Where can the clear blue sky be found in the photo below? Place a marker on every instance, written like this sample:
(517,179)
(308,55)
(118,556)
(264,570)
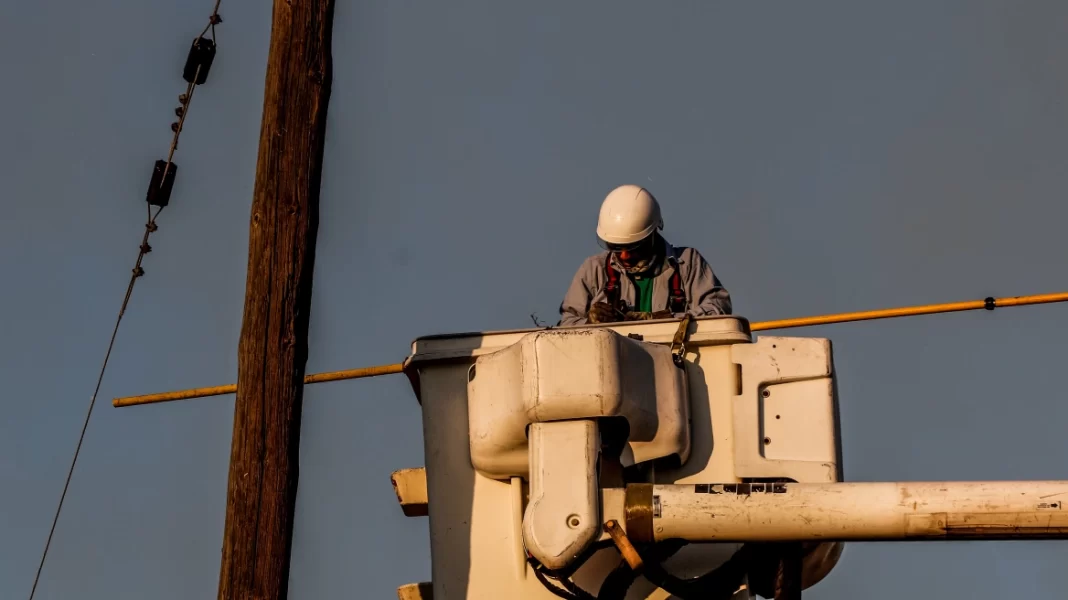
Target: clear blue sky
(824,157)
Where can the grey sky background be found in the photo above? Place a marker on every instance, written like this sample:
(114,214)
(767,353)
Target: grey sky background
(823,156)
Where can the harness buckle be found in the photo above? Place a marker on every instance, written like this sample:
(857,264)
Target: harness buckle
(678,343)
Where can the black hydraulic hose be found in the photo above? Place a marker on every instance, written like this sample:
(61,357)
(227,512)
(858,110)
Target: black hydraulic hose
(618,582)
(563,576)
(557,591)
(720,582)
(616,585)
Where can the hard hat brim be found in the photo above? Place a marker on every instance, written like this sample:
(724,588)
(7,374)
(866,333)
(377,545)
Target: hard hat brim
(606,238)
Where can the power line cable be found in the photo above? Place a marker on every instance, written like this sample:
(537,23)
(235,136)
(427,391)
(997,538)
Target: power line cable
(197,65)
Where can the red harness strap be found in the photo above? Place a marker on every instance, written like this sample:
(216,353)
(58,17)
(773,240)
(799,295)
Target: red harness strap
(611,287)
(677,299)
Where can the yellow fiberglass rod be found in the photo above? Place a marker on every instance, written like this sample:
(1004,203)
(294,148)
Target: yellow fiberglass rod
(886,313)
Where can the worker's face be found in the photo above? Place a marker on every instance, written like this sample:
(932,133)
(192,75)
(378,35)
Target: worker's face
(631,255)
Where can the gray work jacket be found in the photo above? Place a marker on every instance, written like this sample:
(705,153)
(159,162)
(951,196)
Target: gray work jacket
(705,295)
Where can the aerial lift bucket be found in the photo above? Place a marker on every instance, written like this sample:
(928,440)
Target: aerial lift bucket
(641,460)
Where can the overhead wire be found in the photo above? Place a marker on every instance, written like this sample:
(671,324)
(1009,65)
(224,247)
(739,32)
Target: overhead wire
(158,195)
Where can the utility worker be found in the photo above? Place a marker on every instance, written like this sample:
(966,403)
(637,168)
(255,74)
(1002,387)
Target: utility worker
(640,276)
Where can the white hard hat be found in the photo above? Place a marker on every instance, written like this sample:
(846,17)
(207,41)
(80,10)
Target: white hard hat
(628,214)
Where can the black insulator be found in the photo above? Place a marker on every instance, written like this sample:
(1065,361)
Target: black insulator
(179,111)
(174,127)
(215,19)
(159,189)
(201,54)
(182,99)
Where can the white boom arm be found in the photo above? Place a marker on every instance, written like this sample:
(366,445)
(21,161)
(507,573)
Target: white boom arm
(842,512)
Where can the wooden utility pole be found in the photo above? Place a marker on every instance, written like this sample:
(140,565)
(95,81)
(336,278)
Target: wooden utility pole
(273,349)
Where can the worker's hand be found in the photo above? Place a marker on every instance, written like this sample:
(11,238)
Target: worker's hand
(602,313)
(647,316)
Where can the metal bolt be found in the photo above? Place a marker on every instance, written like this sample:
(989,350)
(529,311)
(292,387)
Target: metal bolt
(767,393)
(767,440)
(573,521)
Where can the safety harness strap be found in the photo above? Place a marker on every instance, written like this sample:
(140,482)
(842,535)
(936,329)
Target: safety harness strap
(677,299)
(611,287)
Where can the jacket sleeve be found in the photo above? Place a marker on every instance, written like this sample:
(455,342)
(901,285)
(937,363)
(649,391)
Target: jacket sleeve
(576,301)
(708,296)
